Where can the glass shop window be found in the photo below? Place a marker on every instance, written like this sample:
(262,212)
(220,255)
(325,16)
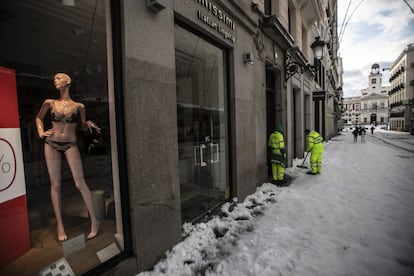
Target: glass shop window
(59,188)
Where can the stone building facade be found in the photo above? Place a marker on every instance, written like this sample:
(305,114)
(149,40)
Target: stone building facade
(186,93)
(402,91)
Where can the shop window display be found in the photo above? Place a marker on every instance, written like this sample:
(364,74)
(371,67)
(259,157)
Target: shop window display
(70,190)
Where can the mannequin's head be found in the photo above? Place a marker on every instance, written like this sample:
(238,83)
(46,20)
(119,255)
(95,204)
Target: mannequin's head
(62,80)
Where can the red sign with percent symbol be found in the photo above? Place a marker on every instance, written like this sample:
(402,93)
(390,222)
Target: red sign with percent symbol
(14,224)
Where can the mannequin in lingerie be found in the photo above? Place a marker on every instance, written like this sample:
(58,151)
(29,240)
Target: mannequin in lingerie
(61,140)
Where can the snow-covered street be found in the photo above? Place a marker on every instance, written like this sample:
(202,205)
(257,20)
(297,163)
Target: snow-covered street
(356,218)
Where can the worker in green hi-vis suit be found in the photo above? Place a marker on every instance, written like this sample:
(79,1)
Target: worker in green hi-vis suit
(315,147)
(278,157)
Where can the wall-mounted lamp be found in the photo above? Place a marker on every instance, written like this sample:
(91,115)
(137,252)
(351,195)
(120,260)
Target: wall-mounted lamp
(156,5)
(248,58)
(293,67)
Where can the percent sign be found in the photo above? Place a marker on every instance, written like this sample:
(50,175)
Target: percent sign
(5,166)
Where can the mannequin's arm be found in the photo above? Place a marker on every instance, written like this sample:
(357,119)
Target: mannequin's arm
(87,124)
(39,120)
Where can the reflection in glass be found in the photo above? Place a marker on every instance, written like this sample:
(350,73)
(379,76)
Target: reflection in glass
(202,124)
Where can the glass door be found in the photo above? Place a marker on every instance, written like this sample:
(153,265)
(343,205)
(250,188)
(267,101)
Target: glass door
(202,124)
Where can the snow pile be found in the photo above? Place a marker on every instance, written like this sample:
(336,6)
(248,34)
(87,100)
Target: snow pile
(206,244)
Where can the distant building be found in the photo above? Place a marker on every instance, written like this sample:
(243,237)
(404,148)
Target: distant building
(372,106)
(352,111)
(401,93)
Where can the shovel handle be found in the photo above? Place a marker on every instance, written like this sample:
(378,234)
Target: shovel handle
(305,158)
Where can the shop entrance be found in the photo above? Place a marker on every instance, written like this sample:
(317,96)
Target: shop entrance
(202,124)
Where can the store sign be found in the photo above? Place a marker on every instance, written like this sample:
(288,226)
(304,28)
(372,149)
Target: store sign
(14,224)
(318,95)
(216,19)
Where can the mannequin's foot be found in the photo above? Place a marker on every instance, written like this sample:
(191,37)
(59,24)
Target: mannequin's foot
(94,230)
(61,234)
(62,237)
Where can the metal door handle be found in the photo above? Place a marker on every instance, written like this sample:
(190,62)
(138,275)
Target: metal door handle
(202,163)
(216,147)
(199,148)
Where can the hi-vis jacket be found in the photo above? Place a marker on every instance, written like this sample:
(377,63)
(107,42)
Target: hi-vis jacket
(315,142)
(277,144)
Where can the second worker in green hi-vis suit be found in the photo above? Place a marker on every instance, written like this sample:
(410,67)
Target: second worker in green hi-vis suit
(315,147)
(278,157)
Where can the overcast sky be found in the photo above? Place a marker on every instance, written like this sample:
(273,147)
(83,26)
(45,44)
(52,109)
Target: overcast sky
(377,32)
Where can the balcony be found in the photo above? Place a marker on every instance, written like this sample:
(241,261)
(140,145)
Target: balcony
(310,9)
(396,88)
(397,73)
(397,114)
(272,26)
(396,104)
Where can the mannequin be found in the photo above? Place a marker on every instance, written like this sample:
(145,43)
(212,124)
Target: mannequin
(61,140)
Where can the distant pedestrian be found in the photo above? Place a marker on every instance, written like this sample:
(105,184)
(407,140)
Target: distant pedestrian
(372,129)
(355,133)
(362,133)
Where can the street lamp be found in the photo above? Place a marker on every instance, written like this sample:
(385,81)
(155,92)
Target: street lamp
(317,47)
(293,67)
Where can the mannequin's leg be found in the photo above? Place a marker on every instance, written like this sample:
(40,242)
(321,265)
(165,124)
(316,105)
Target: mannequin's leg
(53,162)
(75,163)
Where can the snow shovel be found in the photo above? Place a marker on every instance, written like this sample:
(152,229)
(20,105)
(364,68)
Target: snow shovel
(302,166)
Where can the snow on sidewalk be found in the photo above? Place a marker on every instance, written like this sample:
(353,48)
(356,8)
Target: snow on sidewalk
(356,218)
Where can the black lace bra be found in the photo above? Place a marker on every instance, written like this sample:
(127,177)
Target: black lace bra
(71,117)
